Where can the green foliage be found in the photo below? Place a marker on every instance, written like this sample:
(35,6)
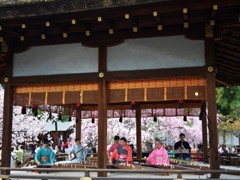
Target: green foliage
(228,101)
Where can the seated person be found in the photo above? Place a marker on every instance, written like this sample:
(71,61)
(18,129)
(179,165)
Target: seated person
(115,145)
(122,154)
(182,149)
(170,151)
(79,152)
(45,154)
(224,149)
(159,155)
(58,150)
(19,154)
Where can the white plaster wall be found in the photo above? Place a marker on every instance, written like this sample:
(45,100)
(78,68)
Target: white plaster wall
(231,140)
(156,53)
(55,59)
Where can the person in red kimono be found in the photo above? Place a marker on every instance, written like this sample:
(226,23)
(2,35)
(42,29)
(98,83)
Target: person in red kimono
(122,154)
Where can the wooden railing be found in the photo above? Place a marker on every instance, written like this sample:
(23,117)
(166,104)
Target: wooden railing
(87,172)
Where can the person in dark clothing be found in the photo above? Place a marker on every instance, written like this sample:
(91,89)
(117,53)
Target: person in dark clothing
(182,149)
(35,145)
(224,149)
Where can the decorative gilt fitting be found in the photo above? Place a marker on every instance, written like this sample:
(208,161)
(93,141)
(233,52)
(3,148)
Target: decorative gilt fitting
(99,19)
(185,10)
(212,22)
(73,21)
(155,13)
(215,7)
(6,79)
(210,69)
(47,23)
(101,74)
(160,27)
(209,31)
(110,31)
(4,47)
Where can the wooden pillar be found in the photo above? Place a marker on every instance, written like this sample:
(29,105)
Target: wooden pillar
(204,137)
(211,97)
(212,121)
(6,70)
(7,125)
(79,126)
(102,113)
(139,132)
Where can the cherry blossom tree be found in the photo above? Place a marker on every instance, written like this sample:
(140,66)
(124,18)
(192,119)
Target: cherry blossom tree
(26,127)
(166,128)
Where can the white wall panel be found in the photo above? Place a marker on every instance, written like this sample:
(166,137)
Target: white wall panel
(156,53)
(55,59)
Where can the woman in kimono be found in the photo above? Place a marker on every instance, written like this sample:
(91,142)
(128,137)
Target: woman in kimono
(45,155)
(78,152)
(122,154)
(159,155)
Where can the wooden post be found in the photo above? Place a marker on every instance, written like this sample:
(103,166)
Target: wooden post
(102,113)
(56,133)
(204,137)
(212,120)
(7,109)
(211,97)
(7,126)
(139,132)
(79,126)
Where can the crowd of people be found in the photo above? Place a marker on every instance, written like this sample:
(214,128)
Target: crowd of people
(121,152)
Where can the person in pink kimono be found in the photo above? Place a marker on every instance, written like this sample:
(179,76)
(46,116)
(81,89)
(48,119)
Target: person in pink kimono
(159,155)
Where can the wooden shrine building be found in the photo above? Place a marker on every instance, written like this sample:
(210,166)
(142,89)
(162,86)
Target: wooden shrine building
(106,54)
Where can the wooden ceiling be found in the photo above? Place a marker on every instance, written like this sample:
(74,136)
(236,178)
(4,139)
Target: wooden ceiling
(227,57)
(109,26)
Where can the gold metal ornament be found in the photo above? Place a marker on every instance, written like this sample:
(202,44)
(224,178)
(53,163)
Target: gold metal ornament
(210,69)
(101,74)
(6,79)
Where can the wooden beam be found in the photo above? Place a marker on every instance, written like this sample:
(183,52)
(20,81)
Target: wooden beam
(7,126)
(235,39)
(227,56)
(235,53)
(111,76)
(226,79)
(232,31)
(228,44)
(55,79)
(221,82)
(157,73)
(224,65)
(139,132)
(227,61)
